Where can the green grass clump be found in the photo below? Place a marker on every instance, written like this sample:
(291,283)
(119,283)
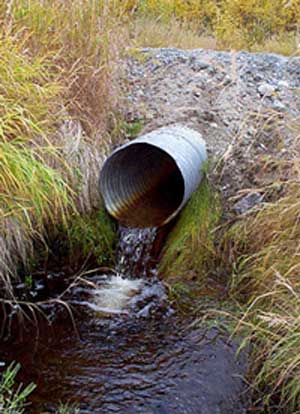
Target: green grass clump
(94,235)
(12,397)
(189,249)
(132,129)
(29,91)
(32,192)
(68,409)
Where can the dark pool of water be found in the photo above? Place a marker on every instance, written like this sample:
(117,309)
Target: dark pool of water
(130,366)
(144,360)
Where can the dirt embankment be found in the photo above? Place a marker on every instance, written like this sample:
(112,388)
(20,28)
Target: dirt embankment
(247,107)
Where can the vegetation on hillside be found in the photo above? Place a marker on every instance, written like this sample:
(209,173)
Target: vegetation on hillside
(256,25)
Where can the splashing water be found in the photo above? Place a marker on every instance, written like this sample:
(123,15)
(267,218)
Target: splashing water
(134,268)
(134,255)
(115,294)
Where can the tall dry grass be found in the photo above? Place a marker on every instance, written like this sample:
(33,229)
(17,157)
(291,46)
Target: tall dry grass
(154,32)
(58,102)
(265,247)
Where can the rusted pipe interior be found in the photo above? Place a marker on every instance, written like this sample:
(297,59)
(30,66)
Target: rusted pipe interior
(142,185)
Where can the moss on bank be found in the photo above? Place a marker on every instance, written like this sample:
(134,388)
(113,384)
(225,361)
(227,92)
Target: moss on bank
(189,249)
(94,235)
(85,241)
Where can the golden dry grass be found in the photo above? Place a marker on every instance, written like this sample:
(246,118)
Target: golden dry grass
(58,102)
(151,32)
(265,283)
(260,25)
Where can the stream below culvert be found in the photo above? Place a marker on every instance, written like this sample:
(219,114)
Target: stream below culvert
(131,353)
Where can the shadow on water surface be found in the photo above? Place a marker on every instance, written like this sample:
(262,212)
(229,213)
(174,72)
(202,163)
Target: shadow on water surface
(145,360)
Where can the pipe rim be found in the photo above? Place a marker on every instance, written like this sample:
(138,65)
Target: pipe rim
(115,205)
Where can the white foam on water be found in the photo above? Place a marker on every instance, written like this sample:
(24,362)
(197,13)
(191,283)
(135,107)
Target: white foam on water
(114,295)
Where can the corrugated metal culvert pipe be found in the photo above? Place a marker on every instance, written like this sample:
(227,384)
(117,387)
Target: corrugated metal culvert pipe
(147,181)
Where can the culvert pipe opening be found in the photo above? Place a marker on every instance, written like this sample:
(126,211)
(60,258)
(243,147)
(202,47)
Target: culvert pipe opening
(142,185)
(146,182)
